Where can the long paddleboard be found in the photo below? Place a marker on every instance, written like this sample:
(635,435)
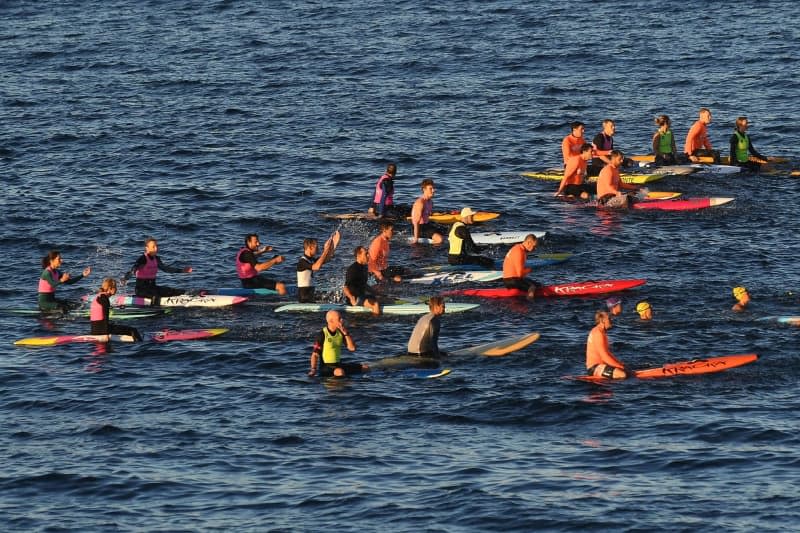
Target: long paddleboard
(555,174)
(650,158)
(494,237)
(452,218)
(791,320)
(241,291)
(437,279)
(161,336)
(584,288)
(116,314)
(683,204)
(684,368)
(539,261)
(389,309)
(718,169)
(184,300)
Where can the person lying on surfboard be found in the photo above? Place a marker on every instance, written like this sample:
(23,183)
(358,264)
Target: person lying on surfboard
(743,153)
(600,362)
(420,214)
(309,263)
(249,269)
(327,351)
(610,187)
(146,268)
(51,278)
(462,245)
(574,181)
(356,288)
(379,255)
(742,299)
(645,310)
(664,142)
(99,311)
(424,340)
(514,269)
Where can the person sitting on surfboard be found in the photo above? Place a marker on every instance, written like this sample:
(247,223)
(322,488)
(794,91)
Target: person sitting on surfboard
(146,268)
(514,269)
(424,340)
(420,214)
(645,310)
(378,264)
(99,311)
(309,263)
(743,153)
(610,186)
(697,143)
(600,362)
(614,305)
(571,144)
(742,299)
(356,289)
(462,245)
(574,181)
(51,278)
(664,142)
(383,200)
(327,352)
(603,144)
(248,268)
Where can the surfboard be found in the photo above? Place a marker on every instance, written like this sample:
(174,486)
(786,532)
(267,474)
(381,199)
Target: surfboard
(650,158)
(184,300)
(539,261)
(683,204)
(555,174)
(717,169)
(116,314)
(494,237)
(708,365)
(241,291)
(161,336)
(389,309)
(584,288)
(437,279)
(791,320)
(454,216)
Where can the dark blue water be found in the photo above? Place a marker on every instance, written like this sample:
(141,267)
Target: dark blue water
(200,122)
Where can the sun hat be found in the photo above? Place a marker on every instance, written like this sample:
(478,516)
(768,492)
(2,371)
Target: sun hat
(467,212)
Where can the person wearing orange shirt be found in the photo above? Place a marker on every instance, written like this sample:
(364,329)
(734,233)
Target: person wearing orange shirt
(610,186)
(571,145)
(600,362)
(379,254)
(514,269)
(697,142)
(574,181)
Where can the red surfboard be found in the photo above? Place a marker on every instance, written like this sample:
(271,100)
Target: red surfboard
(682,204)
(684,368)
(583,288)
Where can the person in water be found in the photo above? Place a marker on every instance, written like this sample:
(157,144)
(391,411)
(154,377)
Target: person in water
(572,143)
(383,204)
(249,269)
(51,278)
(664,142)
(99,313)
(574,181)
(424,340)
(742,299)
(327,351)
(697,142)
(614,306)
(308,264)
(645,310)
(743,153)
(378,264)
(146,268)
(461,244)
(514,269)
(356,287)
(610,187)
(600,362)
(420,215)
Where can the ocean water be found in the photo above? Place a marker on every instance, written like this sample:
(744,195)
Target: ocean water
(200,122)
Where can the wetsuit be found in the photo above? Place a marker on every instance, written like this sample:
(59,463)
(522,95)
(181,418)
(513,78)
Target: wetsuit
(48,281)
(424,339)
(305,279)
(328,347)
(603,145)
(356,282)
(99,312)
(664,148)
(145,268)
(461,246)
(246,269)
(743,152)
(697,142)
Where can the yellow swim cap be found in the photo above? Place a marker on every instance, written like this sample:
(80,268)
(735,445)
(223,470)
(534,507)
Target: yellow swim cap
(738,291)
(641,307)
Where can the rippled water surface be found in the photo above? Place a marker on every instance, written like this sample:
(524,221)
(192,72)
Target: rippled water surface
(199,122)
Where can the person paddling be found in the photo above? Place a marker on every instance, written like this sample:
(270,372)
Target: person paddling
(250,270)
(51,278)
(600,362)
(327,351)
(308,264)
(100,310)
